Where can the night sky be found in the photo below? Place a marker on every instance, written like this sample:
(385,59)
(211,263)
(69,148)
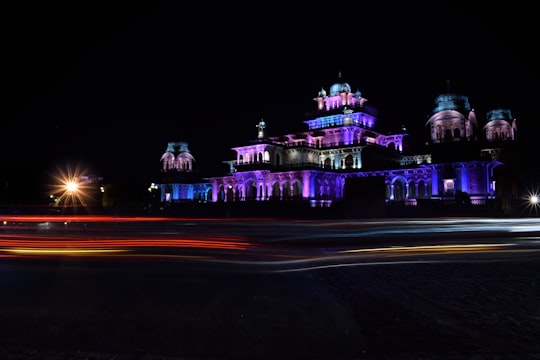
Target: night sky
(106,85)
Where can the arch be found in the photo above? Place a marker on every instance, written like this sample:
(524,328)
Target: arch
(276,191)
(349,161)
(297,190)
(167,161)
(251,190)
(412,190)
(447,135)
(237,194)
(230,194)
(421,189)
(184,162)
(286,190)
(262,195)
(327,163)
(221,194)
(399,189)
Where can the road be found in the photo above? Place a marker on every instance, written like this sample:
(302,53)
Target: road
(152,288)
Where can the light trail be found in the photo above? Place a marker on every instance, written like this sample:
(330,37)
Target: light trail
(456,247)
(107,218)
(344,258)
(51,251)
(258,238)
(151,242)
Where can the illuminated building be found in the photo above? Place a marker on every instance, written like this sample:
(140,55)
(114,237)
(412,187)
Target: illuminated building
(180,181)
(462,160)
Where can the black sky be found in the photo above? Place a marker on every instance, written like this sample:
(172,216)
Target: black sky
(108,84)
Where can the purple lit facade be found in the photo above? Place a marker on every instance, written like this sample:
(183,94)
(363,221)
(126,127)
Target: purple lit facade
(342,142)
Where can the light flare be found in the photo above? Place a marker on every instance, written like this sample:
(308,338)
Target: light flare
(69,190)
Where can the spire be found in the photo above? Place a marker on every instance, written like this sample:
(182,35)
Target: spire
(261,126)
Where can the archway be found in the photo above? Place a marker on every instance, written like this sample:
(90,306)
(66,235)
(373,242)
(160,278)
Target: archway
(230,194)
(412,190)
(276,192)
(349,162)
(297,190)
(421,189)
(221,194)
(327,163)
(286,190)
(399,190)
(251,191)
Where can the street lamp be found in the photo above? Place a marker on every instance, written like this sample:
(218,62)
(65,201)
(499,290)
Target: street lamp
(72,186)
(70,189)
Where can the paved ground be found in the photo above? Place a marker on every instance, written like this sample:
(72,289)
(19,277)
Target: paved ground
(460,307)
(422,311)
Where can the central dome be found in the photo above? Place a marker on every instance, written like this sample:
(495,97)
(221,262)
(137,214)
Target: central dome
(339,88)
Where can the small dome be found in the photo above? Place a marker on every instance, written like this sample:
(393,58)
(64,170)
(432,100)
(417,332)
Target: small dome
(177,147)
(499,114)
(322,93)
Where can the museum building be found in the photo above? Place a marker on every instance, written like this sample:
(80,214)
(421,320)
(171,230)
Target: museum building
(342,155)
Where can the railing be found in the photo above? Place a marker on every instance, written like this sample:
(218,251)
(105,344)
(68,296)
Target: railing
(327,145)
(267,165)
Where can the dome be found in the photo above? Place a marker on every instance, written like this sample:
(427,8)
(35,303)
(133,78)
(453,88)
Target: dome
(500,125)
(177,147)
(456,102)
(499,114)
(322,93)
(339,88)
